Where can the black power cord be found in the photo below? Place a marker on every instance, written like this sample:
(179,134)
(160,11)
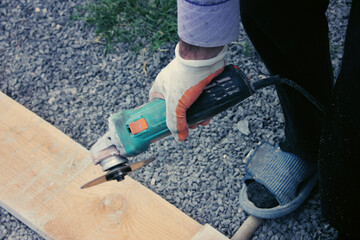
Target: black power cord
(277,79)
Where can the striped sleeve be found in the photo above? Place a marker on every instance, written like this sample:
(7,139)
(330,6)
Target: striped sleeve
(208,23)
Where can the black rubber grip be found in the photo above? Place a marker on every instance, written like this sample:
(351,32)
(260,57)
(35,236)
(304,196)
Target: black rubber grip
(226,90)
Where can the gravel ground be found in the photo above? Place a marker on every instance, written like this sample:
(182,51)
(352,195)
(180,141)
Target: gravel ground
(55,68)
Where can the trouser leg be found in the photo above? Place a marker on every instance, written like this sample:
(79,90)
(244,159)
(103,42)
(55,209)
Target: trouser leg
(292,40)
(340,141)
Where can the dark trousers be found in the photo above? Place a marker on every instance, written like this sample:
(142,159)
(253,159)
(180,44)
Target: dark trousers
(292,40)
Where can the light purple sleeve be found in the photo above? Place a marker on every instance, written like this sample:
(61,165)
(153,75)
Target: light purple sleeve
(208,23)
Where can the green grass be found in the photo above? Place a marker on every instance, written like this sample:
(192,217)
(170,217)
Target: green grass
(141,23)
(247,47)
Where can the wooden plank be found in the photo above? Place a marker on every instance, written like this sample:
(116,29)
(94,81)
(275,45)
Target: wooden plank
(41,172)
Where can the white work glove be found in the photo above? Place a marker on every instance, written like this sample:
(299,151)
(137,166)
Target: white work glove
(180,83)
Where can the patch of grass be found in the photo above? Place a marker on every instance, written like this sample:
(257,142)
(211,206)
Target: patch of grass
(248,48)
(141,23)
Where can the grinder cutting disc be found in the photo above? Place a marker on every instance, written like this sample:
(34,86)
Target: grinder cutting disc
(118,173)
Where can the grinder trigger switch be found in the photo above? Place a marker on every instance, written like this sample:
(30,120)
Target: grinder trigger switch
(138,126)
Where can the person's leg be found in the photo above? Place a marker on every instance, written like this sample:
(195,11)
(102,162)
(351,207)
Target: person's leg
(292,40)
(339,154)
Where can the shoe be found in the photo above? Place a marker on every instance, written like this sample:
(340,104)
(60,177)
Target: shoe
(289,178)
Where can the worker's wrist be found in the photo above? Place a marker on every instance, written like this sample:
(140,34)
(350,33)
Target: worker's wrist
(199,57)
(191,52)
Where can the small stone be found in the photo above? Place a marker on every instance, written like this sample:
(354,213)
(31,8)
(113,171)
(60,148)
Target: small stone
(51,100)
(243,127)
(37,10)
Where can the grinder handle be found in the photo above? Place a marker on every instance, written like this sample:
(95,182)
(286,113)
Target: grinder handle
(229,88)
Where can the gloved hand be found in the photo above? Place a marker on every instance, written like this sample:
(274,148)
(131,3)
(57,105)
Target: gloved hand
(180,83)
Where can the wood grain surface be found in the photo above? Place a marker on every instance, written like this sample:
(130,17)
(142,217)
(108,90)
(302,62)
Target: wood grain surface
(42,170)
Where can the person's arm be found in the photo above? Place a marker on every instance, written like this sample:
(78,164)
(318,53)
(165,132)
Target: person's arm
(191,52)
(205,28)
(208,23)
